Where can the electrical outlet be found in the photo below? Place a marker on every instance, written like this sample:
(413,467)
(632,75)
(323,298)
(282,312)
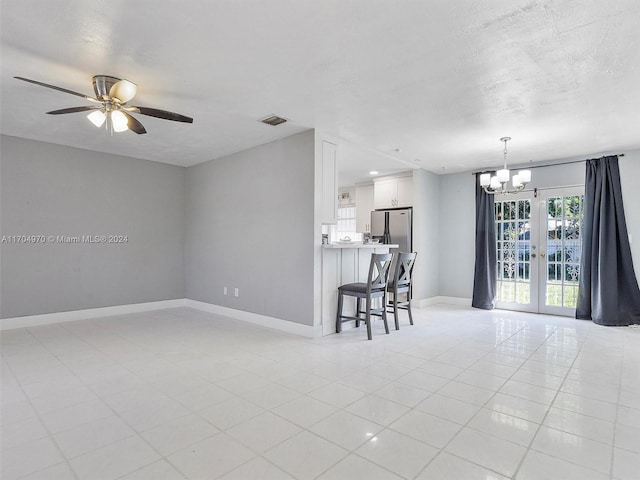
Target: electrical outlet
(224,290)
(237,292)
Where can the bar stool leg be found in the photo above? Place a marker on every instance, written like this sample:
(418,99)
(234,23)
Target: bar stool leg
(384,314)
(358,308)
(368,318)
(395,310)
(409,308)
(339,313)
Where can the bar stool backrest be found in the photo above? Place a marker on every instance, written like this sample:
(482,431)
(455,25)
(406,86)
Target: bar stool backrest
(379,271)
(404,267)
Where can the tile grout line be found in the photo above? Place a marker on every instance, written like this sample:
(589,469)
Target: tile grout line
(540,425)
(466,425)
(395,349)
(136,432)
(38,416)
(615,423)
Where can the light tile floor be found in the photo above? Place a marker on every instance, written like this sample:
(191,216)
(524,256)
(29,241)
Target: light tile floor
(463,394)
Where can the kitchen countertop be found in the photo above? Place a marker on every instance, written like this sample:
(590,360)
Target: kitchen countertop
(360,245)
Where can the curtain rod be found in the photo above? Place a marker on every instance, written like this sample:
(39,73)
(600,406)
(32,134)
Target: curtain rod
(529,167)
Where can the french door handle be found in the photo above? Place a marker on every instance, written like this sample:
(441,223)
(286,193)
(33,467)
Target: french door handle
(543,255)
(533,255)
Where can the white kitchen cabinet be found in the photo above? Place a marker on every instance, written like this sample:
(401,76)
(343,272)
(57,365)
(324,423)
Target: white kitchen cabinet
(404,196)
(364,205)
(329,182)
(384,193)
(393,192)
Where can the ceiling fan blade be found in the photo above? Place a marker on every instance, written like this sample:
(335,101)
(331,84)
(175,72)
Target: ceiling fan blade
(74,109)
(154,112)
(133,124)
(124,90)
(60,89)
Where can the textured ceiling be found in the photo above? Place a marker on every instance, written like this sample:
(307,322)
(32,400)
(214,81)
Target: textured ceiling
(439,80)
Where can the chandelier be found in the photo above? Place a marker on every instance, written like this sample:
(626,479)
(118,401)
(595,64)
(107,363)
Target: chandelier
(497,184)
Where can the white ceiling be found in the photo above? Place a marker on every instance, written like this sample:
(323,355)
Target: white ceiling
(439,80)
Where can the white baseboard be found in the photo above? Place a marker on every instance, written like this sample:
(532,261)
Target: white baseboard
(427,302)
(255,318)
(317,331)
(58,317)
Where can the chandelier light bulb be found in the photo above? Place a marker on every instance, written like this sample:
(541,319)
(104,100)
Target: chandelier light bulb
(503,175)
(485,179)
(525,176)
(516,180)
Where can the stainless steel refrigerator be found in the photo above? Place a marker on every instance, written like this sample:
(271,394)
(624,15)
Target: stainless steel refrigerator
(393,226)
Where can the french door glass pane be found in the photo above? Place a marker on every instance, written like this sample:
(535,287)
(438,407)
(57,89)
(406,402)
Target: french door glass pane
(564,227)
(513,234)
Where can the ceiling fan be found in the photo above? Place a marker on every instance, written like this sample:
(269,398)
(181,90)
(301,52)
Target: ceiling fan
(111,105)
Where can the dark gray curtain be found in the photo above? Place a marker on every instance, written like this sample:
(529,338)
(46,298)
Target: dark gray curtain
(485,275)
(608,293)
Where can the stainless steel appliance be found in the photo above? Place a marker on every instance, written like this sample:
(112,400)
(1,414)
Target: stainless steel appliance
(393,226)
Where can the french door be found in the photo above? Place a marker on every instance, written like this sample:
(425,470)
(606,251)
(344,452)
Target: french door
(538,243)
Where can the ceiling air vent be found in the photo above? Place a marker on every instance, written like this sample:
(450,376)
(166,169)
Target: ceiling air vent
(273,120)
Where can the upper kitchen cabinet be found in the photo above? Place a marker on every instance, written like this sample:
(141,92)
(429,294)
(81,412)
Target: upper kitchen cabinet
(404,197)
(364,205)
(393,192)
(329,176)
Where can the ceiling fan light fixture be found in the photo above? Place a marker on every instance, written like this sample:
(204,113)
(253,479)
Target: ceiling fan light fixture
(119,121)
(124,90)
(112,94)
(97,118)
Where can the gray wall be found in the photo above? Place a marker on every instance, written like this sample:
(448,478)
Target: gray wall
(54,190)
(245,221)
(426,238)
(457,216)
(249,224)
(456,230)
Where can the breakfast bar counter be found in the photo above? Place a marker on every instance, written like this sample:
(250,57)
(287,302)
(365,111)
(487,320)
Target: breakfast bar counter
(359,245)
(344,263)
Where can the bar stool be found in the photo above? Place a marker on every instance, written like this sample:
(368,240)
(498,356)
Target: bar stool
(400,283)
(376,287)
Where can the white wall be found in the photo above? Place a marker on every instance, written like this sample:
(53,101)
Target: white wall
(49,189)
(457,216)
(629,174)
(250,225)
